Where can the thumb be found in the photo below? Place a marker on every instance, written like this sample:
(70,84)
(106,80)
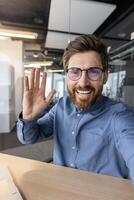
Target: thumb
(50,96)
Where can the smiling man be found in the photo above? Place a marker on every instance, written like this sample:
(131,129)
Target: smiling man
(91,132)
(85,78)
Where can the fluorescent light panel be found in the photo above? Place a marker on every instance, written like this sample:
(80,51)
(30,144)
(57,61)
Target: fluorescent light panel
(18,34)
(55,70)
(3,38)
(80,17)
(38,64)
(85,17)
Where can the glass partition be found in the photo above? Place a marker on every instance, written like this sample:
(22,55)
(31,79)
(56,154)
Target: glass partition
(120,84)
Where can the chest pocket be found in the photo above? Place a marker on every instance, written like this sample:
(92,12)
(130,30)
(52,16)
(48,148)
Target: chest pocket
(93,149)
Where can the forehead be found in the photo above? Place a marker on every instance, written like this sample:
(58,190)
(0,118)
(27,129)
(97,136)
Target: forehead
(85,59)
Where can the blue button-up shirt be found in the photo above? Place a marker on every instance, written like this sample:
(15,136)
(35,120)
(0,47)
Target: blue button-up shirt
(99,139)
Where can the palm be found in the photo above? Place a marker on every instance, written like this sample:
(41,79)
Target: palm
(34,100)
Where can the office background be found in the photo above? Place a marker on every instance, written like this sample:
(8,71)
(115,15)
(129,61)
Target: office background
(35,33)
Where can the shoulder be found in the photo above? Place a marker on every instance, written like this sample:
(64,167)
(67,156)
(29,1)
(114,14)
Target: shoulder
(123,118)
(116,106)
(121,114)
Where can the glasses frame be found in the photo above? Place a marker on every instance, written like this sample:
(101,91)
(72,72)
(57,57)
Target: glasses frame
(86,70)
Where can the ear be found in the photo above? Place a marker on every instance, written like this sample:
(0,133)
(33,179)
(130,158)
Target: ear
(105,77)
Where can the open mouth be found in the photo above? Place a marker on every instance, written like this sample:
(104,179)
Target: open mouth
(83,95)
(83,92)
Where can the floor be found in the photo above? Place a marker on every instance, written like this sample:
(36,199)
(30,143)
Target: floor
(9,140)
(41,151)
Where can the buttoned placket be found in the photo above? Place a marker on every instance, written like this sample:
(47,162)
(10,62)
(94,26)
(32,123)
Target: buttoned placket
(74,135)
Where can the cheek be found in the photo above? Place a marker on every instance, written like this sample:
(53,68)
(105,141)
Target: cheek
(97,85)
(70,84)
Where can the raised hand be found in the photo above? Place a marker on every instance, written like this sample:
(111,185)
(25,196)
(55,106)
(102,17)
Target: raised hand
(34,99)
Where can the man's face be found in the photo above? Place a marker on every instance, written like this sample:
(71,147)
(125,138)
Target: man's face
(84,92)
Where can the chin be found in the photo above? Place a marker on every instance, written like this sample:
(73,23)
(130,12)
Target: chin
(83,104)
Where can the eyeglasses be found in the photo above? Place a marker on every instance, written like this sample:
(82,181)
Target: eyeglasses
(93,73)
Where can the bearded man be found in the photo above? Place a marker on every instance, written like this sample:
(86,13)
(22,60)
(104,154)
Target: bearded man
(91,132)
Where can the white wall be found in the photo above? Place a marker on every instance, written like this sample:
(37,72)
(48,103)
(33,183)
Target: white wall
(12,52)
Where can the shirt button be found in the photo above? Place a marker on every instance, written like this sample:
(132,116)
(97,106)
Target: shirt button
(73,132)
(78,114)
(73,147)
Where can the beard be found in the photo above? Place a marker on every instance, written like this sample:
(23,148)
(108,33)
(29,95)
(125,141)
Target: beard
(89,101)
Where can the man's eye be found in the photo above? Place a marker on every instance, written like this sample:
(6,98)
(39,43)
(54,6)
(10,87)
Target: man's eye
(94,71)
(75,71)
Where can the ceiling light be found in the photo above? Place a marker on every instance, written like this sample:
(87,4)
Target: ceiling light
(55,70)
(90,15)
(18,34)
(35,55)
(38,64)
(3,38)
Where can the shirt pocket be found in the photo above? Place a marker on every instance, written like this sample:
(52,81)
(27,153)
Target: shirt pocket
(93,150)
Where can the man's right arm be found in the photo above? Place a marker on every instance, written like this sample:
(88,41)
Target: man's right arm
(34,102)
(29,131)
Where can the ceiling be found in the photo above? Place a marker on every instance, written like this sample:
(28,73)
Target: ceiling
(58,21)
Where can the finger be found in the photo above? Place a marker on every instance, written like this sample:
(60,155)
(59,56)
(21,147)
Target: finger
(43,82)
(26,83)
(37,79)
(32,76)
(50,96)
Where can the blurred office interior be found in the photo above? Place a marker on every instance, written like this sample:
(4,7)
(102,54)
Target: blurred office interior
(35,33)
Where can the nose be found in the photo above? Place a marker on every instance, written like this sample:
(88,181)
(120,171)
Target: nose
(84,80)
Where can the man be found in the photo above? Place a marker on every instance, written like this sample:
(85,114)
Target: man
(91,132)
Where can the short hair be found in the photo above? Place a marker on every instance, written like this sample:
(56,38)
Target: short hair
(85,43)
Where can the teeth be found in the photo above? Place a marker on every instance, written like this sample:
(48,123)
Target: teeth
(84,92)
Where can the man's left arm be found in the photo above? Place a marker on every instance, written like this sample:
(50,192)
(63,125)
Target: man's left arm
(124,135)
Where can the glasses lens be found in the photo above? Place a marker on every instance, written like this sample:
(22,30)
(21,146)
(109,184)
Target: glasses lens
(95,73)
(74,73)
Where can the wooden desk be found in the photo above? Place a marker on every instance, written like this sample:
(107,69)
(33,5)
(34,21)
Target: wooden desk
(42,181)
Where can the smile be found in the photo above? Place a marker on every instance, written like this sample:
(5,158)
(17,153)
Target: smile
(84,91)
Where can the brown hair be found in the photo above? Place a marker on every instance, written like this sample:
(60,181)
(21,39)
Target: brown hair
(84,43)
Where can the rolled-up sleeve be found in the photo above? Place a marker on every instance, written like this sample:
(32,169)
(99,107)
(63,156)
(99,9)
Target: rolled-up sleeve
(28,131)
